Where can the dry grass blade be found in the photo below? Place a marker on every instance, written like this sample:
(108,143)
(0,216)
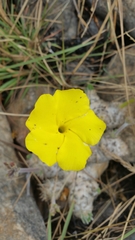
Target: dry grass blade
(61,8)
(127,221)
(96,40)
(120,4)
(93,8)
(120,160)
(32,54)
(18,16)
(6,19)
(14,114)
(103,230)
(80,12)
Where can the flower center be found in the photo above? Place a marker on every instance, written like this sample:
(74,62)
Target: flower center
(62,129)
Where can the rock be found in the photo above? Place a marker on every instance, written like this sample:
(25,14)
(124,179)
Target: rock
(114,85)
(24,106)
(131,237)
(128,13)
(129,138)
(66,21)
(63,21)
(19,216)
(82,75)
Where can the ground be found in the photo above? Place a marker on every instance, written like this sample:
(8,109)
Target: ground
(46,46)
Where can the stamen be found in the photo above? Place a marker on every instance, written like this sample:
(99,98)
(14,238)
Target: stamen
(61,129)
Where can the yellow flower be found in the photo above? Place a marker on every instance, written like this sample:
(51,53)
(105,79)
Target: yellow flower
(62,127)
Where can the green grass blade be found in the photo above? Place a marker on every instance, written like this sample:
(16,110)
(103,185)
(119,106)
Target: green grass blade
(128,234)
(62,237)
(49,228)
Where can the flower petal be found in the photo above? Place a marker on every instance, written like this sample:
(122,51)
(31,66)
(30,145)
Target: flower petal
(70,104)
(44,115)
(45,145)
(73,154)
(89,127)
